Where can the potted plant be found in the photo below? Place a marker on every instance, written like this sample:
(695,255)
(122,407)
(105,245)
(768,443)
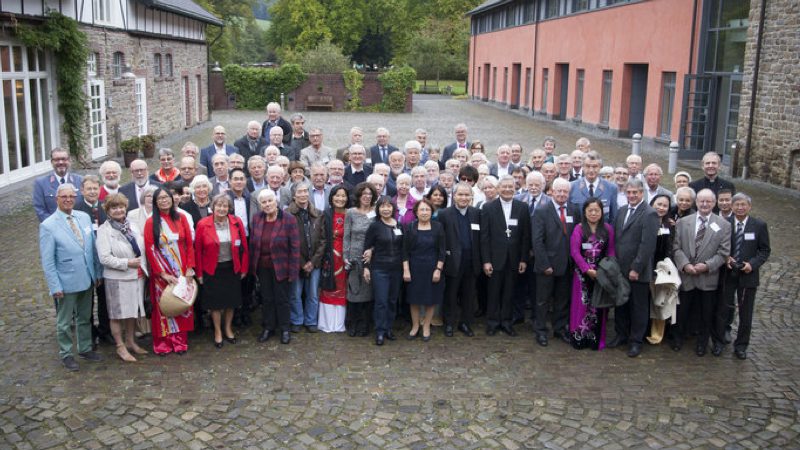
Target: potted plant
(130,149)
(148,144)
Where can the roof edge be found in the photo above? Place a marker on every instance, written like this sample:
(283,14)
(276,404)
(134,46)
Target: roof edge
(209,19)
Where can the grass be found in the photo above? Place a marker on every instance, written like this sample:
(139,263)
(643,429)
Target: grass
(263,24)
(459,86)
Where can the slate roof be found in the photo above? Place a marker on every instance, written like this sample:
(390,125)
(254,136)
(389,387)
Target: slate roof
(186,8)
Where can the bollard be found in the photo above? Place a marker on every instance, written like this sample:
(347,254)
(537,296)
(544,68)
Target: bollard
(673,157)
(283,102)
(636,144)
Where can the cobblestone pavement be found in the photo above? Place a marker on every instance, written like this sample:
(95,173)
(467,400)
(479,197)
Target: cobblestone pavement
(333,391)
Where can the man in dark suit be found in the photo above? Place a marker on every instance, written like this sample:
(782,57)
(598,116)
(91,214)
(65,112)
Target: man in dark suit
(711,179)
(389,184)
(276,139)
(217,147)
(461,142)
(552,227)
(749,251)
(503,166)
(140,179)
(357,171)
(525,290)
(252,143)
(299,137)
(462,263)
(274,119)
(505,242)
(635,229)
(591,185)
(577,165)
(44,188)
(379,153)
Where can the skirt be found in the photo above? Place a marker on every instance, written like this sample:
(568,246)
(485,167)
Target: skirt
(124,298)
(331,318)
(223,290)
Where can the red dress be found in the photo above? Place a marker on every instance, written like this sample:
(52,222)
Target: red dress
(337,296)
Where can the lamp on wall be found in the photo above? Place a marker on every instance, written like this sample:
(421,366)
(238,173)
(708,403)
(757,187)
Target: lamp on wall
(216,67)
(127,73)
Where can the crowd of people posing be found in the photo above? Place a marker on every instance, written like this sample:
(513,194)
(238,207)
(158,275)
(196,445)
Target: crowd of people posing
(344,240)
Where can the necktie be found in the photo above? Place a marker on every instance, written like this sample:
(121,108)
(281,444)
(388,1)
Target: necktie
(628,215)
(701,233)
(563,219)
(739,241)
(63,180)
(383,154)
(591,189)
(75,230)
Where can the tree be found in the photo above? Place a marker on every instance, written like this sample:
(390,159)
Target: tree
(241,40)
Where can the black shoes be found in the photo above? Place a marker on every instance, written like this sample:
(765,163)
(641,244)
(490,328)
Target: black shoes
(564,336)
(218,344)
(426,338)
(634,350)
(351,331)
(741,354)
(91,356)
(479,313)
(265,335)
(379,339)
(312,328)
(700,350)
(390,335)
(676,345)
(491,331)
(70,364)
(230,340)
(716,350)
(508,329)
(286,337)
(617,341)
(412,336)
(464,328)
(295,328)
(541,339)
(448,330)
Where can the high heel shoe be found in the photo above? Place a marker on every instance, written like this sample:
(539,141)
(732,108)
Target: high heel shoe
(230,340)
(218,344)
(412,336)
(136,349)
(123,354)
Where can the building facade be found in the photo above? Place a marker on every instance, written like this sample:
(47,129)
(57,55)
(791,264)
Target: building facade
(146,74)
(670,70)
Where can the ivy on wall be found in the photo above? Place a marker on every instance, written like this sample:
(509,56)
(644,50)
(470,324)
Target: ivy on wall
(60,35)
(255,87)
(397,83)
(353,82)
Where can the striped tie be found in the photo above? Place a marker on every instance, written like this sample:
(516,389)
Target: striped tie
(701,233)
(75,230)
(739,241)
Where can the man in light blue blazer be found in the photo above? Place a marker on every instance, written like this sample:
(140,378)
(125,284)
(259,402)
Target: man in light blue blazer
(71,268)
(44,188)
(591,185)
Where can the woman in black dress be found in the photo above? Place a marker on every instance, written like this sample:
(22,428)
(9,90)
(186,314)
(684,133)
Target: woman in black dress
(423,261)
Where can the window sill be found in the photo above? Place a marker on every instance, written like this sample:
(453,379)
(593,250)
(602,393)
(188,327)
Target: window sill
(158,79)
(602,126)
(170,78)
(661,140)
(119,82)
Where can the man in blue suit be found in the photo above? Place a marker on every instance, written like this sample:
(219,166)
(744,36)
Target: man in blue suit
(219,146)
(591,185)
(44,188)
(71,269)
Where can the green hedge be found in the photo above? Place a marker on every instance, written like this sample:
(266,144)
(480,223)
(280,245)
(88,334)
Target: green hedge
(396,83)
(255,87)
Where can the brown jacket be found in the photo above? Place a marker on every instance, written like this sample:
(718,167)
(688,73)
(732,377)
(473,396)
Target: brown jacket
(314,250)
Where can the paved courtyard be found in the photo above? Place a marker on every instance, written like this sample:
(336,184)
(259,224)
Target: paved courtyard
(333,391)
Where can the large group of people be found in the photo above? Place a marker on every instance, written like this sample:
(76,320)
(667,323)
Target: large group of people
(350,239)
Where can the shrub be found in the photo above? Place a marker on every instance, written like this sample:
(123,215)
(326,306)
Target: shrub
(353,82)
(254,87)
(325,58)
(397,83)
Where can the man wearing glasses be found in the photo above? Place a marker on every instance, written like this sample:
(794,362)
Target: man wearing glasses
(44,188)
(140,179)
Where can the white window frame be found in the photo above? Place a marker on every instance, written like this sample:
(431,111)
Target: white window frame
(103,11)
(140,99)
(98,134)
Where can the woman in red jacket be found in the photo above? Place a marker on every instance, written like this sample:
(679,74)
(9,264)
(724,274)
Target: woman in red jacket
(222,259)
(170,254)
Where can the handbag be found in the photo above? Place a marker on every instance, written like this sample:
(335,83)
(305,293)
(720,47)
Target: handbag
(172,305)
(328,279)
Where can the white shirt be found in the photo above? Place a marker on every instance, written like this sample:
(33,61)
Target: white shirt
(240,210)
(220,150)
(501,171)
(506,209)
(318,195)
(631,210)
(697,222)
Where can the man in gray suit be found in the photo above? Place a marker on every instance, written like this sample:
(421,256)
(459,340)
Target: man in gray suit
(635,230)
(702,245)
(652,177)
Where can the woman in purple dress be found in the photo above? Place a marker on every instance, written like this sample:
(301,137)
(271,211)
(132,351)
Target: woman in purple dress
(591,241)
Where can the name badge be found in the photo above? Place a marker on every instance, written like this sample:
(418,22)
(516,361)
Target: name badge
(403,211)
(749,236)
(88,229)
(663,231)
(326,160)
(569,219)
(95,226)
(371,215)
(475,226)
(237,243)
(398,232)
(714,227)
(586,246)
(368,160)
(605,209)
(512,222)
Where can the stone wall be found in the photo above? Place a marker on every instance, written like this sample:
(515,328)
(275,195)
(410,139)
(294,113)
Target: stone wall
(165,100)
(775,141)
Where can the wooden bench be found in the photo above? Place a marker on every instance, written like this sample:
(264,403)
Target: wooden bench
(320,101)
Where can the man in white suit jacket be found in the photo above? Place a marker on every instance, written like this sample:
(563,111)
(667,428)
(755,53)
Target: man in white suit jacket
(71,268)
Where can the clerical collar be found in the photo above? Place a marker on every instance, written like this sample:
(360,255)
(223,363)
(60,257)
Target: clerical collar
(463,211)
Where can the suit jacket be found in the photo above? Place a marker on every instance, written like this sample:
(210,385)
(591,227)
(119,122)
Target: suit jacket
(285,126)
(207,153)
(284,198)
(309,251)
(68,266)
(326,192)
(635,241)
(493,168)
(354,180)
(448,217)
(604,190)
(216,188)
(375,154)
(713,251)
(129,191)
(298,144)
(659,191)
(243,148)
(525,197)
(496,247)
(96,220)
(309,156)
(248,204)
(573,175)
(755,250)
(44,193)
(284,245)
(550,244)
(448,151)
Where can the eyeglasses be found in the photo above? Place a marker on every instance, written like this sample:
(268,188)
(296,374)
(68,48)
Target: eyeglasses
(465,179)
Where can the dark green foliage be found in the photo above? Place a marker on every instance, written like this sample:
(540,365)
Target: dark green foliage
(255,87)
(397,84)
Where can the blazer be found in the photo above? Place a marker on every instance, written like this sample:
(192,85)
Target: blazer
(206,246)
(298,144)
(248,204)
(96,221)
(68,267)
(129,191)
(448,217)
(375,153)
(285,126)
(412,235)
(551,247)
(314,250)
(284,245)
(713,251)
(352,179)
(525,197)
(448,151)
(193,209)
(207,153)
(216,189)
(44,193)
(604,190)
(659,190)
(114,250)
(493,168)
(309,156)
(243,148)
(496,247)
(635,241)
(326,192)
(755,250)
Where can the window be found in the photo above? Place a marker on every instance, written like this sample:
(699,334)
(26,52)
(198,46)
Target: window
(91,64)
(551,8)
(102,10)
(579,77)
(580,5)
(117,64)
(605,102)
(505,85)
(727,35)
(157,65)
(494,83)
(168,65)
(527,84)
(545,79)
(530,11)
(667,104)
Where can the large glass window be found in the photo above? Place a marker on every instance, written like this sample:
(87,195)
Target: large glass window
(605,102)
(580,5)
(667,104)
(157,65)
(579,77)
(117,64)
(545,82)
(552,8)
(102,10)
(168,65)
(727,35)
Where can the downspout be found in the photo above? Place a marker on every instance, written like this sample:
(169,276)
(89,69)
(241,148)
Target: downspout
(535,54)
(691,41)
(208,69)
(754,90)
